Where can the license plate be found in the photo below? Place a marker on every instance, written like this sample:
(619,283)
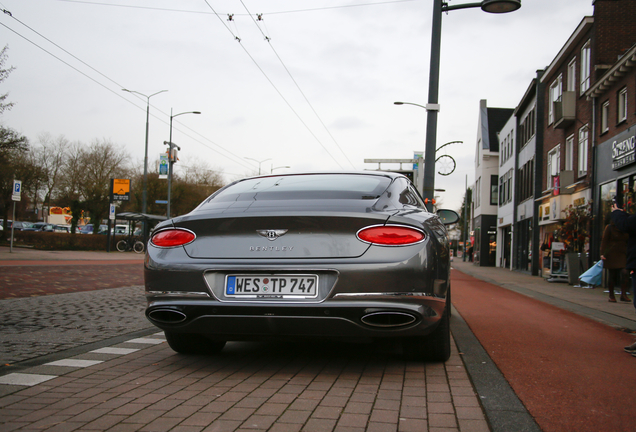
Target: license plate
(271,286)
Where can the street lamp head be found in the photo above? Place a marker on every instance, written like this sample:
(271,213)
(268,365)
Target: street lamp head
(398,103)
(196,112)
(500,6)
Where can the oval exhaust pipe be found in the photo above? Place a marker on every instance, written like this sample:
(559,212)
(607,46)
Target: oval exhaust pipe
(388,319)
(167,316)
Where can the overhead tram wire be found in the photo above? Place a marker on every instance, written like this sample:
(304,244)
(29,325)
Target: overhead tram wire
(237,159)
(274,86)
(268,39)
(208,13)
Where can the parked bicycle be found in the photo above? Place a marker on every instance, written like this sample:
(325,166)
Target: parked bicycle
(131,243)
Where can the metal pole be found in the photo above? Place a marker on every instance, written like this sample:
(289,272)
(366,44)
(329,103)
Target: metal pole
(433,92)
(169,166)
(466,219)
(12,226)
(144,194)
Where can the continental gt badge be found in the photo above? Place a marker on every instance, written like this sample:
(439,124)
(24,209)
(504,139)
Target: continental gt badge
(271,235)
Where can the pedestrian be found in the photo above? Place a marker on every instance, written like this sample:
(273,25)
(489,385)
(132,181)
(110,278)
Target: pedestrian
(614,256)
(627,223)
(470,253)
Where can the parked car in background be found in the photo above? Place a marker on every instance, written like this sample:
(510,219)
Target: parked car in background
(44,227)
(355,256)
(90,229)
(62,228)
(121,230)
(22,226)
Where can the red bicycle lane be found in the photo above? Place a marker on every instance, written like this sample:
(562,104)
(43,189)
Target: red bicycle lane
(570,372)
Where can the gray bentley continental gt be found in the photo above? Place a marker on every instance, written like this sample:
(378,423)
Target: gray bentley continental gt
(321,255)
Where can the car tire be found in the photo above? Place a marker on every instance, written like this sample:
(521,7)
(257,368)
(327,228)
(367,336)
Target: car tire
(192,343)
(435,347)
(139,247)
(122,245)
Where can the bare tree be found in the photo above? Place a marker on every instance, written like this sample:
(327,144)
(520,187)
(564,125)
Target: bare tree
(50,155)
(4,73)
(15,165)
(87,174)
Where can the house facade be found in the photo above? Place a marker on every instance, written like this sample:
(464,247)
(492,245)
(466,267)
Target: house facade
(486,188)
(528,115)
(505,212)
(574,148)
(613,99)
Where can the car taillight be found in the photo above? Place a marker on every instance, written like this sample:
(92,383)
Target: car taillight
(172,238)
(391,235)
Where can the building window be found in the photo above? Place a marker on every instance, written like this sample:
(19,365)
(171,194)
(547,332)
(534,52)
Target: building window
(585,67)
(569,153)
(605,117)
(583,141)
(478,193)
(572,76)
(526,128)
(556,89)
(622,105)
(554,163)
(494,189)
(525,179)
(509,186)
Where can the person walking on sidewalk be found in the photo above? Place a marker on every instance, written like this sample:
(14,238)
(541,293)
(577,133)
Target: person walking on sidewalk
(627,223)
(614,256)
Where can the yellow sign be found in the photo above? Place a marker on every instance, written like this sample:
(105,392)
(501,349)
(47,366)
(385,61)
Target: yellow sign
(121,189)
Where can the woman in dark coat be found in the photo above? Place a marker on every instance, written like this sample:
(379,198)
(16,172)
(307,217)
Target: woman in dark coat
(614,256)
(627,223)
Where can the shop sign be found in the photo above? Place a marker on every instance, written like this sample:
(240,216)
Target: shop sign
(579,202)
(624,150)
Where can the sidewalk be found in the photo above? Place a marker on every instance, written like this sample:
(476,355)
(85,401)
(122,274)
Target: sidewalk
(28,256)
(592,303)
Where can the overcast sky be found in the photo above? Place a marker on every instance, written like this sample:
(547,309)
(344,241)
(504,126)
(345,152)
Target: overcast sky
(310,85)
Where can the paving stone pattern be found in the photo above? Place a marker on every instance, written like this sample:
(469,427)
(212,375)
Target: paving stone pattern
(275,387)
(35,326)
(28,281)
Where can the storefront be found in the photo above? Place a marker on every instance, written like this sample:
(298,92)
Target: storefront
(551,208)
(615,178)
(522,254)
(485,246)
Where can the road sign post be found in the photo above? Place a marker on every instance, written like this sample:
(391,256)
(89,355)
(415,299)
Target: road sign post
(15,196)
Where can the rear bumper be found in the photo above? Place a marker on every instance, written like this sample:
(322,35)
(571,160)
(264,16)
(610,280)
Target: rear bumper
(330,319)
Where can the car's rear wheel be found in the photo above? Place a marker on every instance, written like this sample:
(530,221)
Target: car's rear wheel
(192,343)
(434,347)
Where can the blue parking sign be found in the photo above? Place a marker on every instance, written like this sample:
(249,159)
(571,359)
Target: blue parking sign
(17,189)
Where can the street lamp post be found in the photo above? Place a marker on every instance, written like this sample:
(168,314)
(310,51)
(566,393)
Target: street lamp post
(144,194)
(259,163)
(171,160)
(439,7)
(279,167)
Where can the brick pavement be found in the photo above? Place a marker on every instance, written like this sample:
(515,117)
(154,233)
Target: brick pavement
(276,387)
(46,279)
(28,272)
(36,326)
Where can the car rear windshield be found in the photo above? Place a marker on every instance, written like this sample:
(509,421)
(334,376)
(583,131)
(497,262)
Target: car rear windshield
(309,186)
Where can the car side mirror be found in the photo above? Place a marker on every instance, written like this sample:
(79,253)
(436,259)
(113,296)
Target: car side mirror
(448,217)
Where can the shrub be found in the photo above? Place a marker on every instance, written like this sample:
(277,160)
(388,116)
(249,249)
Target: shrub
(61,241)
